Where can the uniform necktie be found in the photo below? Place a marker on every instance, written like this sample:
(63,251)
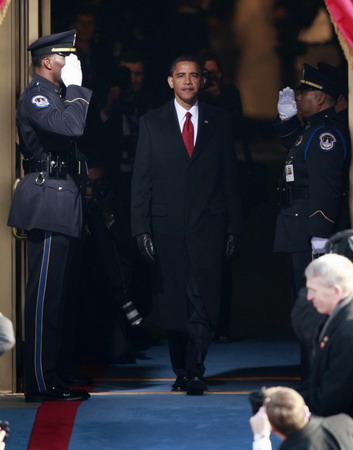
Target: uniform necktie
(188,134)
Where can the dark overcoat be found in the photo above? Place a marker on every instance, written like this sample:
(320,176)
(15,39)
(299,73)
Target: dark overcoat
(319,155)
(187,204)
(329,389)
(329,433)
(48,125)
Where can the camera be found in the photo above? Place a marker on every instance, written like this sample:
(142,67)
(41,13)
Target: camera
(133,316)
(209,78)
(256,400)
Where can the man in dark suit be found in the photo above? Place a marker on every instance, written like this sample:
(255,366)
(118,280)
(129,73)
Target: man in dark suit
(285,413)
(328,389)
(47,203)
(186,216)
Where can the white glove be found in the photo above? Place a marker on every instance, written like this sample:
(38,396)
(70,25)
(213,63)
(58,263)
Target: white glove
(71,73)
(318,244)
(286,104)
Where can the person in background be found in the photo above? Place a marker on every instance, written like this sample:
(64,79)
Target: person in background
(341,76)
(285,413)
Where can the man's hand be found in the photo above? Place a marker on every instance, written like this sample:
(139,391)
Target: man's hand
(146,247)
(71,73)
(286,106)
(318,245)
(260,424)
(231,246)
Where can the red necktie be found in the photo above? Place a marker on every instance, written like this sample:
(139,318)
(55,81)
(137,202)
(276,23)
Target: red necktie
(188,134)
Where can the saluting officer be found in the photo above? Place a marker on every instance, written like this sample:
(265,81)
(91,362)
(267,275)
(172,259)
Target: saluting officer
(47,203)
(313,189)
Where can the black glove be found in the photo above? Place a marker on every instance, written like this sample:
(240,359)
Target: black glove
(146,247)
(231,247)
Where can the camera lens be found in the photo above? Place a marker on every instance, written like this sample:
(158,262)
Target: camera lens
(133,316)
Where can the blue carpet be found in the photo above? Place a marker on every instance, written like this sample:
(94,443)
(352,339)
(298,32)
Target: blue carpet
(21,423)
(132,406)
(165,422)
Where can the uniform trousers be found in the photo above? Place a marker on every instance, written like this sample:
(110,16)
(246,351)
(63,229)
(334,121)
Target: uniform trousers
(188,349)
(49,257)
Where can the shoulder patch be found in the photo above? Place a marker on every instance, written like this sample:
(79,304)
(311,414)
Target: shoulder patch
(40,101)
(327,141)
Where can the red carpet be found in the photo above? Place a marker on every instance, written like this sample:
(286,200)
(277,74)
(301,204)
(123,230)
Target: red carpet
(54,421)
(53,426)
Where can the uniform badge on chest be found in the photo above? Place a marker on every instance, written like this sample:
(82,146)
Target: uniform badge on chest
(298,141)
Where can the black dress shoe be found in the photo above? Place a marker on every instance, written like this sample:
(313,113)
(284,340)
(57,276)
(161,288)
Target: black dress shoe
(179,384)
(57,394)
(195,386)
(77,380)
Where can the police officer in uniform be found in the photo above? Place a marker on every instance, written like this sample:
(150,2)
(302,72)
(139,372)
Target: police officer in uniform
(313,189)
(50,117)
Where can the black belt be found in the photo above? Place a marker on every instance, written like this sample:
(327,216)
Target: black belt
(53,169)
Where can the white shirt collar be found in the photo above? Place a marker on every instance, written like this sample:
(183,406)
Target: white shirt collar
(194,111)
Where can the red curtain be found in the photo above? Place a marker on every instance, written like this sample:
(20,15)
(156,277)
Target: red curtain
(342,14)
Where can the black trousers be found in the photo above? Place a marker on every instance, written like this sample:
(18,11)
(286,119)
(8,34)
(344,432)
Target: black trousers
(49,257)
(298,263)
(188,349)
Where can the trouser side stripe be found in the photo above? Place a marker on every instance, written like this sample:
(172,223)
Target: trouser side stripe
(38,368)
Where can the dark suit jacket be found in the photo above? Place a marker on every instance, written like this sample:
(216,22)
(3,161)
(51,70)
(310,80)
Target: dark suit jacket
(49,124)
(187,204)
(306,321)
(329,388)
(329,433)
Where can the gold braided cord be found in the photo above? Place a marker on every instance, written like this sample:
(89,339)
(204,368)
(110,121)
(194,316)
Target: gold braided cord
(63,49)
(310,83)
(3,10)
(323,214)
(75,99)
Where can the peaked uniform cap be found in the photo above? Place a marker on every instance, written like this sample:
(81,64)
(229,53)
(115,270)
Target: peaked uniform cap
(315,79)
(339,76)
(54,43)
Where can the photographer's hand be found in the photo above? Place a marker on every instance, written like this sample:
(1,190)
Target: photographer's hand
(261,429)
(2,437)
